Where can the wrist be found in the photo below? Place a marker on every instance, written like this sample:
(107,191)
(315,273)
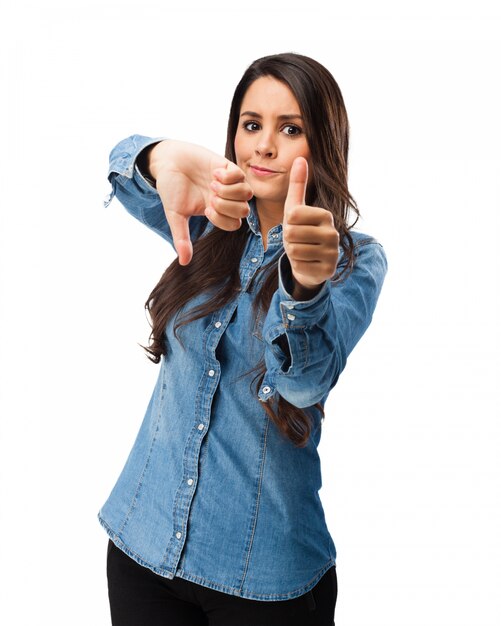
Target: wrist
(145,163)
(301,292)
(159,154)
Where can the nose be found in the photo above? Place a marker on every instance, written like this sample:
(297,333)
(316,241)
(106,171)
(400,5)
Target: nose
(265,146)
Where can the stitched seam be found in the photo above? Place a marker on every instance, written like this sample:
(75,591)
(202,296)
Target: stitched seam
(246,566)
(306,350)
(139,484)
(146,465)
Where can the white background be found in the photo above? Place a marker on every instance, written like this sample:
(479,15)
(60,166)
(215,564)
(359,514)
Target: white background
(411,442)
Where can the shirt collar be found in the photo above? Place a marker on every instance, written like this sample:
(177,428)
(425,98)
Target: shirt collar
(252,218)
(253,221)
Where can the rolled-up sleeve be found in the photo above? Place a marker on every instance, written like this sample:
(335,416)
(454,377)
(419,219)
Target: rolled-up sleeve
(307,343)
(136,194)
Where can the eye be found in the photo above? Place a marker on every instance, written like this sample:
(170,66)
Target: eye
(251,126)
(292,130)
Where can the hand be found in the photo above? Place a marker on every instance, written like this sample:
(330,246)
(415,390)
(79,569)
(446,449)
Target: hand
(228,202)
(192,180)
(310,240)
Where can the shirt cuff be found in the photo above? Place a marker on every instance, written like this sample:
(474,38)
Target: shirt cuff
(123,156)
(286,285)
(123,163)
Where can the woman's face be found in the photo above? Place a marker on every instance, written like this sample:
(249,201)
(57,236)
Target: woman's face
(270,135)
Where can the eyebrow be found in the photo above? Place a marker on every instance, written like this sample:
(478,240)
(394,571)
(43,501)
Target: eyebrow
(280,117)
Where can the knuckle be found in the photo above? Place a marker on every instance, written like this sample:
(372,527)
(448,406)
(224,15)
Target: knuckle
(223,177)
(245,192)
(234,174)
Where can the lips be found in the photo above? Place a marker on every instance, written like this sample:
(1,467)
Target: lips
(264,170)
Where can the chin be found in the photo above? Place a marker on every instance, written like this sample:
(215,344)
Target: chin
(269,200)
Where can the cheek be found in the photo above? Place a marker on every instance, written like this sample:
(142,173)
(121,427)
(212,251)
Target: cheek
(239,146)
(299,150)
(306,152)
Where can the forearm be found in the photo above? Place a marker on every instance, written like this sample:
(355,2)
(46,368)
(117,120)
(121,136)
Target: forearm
(307,341)
(170,155)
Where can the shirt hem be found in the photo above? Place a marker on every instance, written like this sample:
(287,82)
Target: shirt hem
(269,597)
(204,582)
(165,573)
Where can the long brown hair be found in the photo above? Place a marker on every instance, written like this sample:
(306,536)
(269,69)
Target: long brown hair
(214,267)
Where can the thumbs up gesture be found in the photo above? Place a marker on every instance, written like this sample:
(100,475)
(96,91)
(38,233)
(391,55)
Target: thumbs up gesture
(310,239)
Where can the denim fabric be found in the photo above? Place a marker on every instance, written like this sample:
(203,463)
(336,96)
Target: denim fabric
(212,492)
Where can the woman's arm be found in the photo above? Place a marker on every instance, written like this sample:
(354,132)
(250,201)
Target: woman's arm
(185,185)
(135,188)
(308,342)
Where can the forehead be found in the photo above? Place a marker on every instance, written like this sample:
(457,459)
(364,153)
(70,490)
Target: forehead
(269,95)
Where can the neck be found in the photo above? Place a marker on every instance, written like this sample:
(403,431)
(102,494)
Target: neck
(270,214)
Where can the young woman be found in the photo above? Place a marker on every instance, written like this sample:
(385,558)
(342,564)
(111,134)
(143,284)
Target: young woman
(216,517)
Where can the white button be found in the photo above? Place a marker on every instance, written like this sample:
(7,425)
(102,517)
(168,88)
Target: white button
(211,372)
(266,389)
(217,324)
(254,260)
(200,427)
(275,235)
(178,535)
(190,481)
(289,306)
(290,316)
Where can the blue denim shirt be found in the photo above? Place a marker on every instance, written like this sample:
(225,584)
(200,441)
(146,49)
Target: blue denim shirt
(211,491)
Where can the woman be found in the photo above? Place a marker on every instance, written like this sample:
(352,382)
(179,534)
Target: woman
(216,518)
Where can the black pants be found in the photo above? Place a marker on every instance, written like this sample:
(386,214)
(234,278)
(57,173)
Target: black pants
(139,597)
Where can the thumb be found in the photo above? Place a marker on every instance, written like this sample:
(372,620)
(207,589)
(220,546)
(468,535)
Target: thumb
(298,179)
(181,236)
